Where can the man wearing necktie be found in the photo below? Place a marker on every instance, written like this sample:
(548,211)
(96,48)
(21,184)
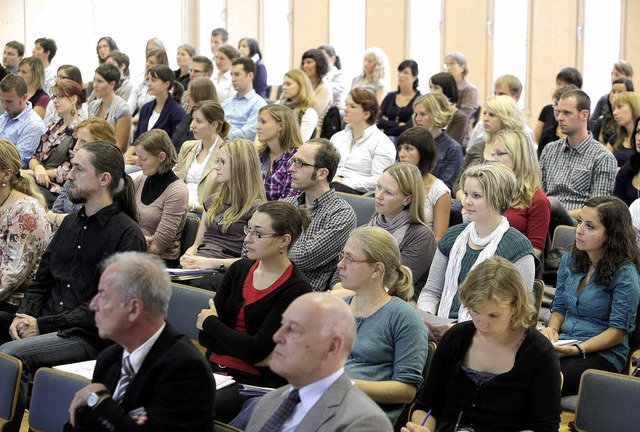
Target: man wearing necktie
(312,345)
(152,378)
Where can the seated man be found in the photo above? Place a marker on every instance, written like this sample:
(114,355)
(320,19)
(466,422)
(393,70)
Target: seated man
(20,124)
(242,109)
(173,389)
(332,218)
(577,167)
(45,49)
(53,324)
(13,54)
(317,334)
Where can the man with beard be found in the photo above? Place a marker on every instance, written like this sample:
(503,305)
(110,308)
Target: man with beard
(54,324)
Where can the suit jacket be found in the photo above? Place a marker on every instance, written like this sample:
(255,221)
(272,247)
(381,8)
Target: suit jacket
(185,159)
(171,114)
(343,407)
(174,385)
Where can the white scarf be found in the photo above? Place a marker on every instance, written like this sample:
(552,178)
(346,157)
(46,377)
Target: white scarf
(459,249)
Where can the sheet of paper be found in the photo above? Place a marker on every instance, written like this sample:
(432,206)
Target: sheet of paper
(434,320)
(561,342)
(180,271)
(84,368)
(223,381)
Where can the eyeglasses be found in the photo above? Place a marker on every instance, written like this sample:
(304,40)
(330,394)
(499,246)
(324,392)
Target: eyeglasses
(221,161)
(255,234)
(498,154)
(348,259)
(195,71)
(299,164)
(57,96)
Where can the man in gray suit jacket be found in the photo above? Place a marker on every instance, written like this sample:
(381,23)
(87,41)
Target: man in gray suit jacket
(312,345)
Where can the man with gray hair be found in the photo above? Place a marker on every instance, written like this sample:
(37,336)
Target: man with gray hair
(317,335)
(153,376)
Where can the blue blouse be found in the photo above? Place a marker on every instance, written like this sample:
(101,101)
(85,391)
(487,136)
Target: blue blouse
(594,310)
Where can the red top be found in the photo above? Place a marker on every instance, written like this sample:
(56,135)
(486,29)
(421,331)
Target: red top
(532,221)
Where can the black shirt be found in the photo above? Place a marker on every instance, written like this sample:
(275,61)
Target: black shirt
(69,271)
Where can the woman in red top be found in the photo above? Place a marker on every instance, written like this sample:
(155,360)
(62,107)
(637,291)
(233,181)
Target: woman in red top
(530,210)
(238,327)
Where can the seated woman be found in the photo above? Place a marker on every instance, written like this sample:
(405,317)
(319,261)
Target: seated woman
(121,60)
(105,46)
(200,89)
(315,65)
(161,197)
(248,47)
(605,125)
(278,140)
(297,94)
(239,325)
(24,229)
(488,191)
(93,129)
(72,73)
(468,102)
(364,150)
(238,191)
(184,59)
(417,147)
(225,55)
(140,93)
(399,210)
(396,109)
(384,362)
(530,210)
(433,112)
(495,373)
(334,75)
(197,158)
(597,292)
(375,73)
(165,111)
(626,109)
(52,160)
(627,185)
(110,106)
(32,70)
(500,113)
(444,83)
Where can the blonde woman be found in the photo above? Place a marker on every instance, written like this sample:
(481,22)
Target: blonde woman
(488,192)
(500,113)
(32,70)
(375,73)
(530,210)
(385,362)
(298,95)
(279,139)
(434,112)
(197,158)
(626,109)
(24,229)
(237,194)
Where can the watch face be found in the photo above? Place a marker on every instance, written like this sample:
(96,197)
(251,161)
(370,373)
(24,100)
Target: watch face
(92,399)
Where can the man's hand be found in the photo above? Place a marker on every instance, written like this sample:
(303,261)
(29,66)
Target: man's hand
(80,399)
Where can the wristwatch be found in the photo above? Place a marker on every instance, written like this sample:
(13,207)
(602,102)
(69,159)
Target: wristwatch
(93,398)
(221,268)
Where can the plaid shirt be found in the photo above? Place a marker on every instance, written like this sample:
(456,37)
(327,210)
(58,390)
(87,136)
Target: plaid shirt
(315,253)
(573,175)
(277,183)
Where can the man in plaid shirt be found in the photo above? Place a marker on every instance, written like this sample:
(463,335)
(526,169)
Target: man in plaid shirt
(332,218)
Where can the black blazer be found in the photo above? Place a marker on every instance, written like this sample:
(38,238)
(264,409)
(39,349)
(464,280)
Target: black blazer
(170,116)
(174,385)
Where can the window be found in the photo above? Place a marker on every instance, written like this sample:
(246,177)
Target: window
(424,48)
(277,39)
(347,34)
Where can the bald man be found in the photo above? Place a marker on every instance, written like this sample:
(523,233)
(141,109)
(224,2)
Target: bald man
(317,334)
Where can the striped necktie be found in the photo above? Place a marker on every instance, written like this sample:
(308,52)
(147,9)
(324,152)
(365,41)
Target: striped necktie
(126,375)
(283,412)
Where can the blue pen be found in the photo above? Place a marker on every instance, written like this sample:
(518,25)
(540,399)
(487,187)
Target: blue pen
(426,418)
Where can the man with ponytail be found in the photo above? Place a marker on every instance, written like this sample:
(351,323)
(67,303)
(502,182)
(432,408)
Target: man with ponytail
(54,324)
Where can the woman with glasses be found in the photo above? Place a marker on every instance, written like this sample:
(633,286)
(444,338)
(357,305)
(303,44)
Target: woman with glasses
(530,211)
(197,158)
(52,160)
(390,351)
(238,192)
(278,140)
(66,72)
(237,329)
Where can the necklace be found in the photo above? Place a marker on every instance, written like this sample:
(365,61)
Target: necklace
(5,200)
(371,310)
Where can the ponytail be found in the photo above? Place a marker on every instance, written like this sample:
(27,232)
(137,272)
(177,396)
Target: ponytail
(125,196)
(402,286)
(177,92)
(224,129)
(27,186)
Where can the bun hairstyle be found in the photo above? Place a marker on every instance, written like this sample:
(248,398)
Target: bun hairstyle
(213,112)
(379,246)
(10,159)
(286,218)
